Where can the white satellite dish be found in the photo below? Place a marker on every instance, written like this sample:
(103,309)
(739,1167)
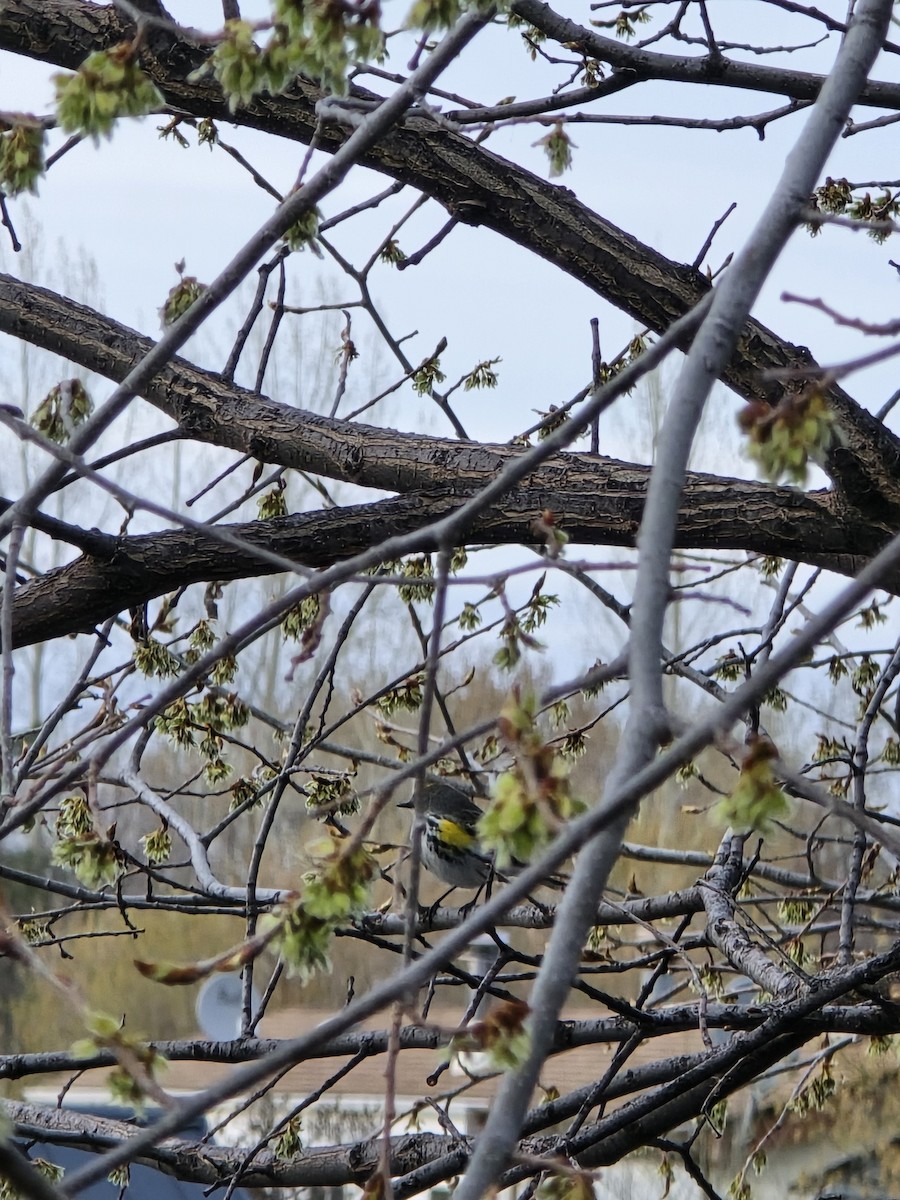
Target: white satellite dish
(218,1007)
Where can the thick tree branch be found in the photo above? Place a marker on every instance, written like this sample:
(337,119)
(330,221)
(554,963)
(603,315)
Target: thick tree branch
(716,514)
(598,501)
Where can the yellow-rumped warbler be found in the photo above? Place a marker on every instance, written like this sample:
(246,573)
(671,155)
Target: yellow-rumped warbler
(450,848)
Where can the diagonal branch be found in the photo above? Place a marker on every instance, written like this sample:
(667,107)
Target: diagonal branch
(727,935)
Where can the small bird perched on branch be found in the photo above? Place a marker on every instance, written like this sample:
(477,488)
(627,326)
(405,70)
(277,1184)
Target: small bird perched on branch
(451,846)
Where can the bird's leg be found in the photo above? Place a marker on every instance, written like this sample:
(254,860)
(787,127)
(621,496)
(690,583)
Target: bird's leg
(430,912)
(466,909)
